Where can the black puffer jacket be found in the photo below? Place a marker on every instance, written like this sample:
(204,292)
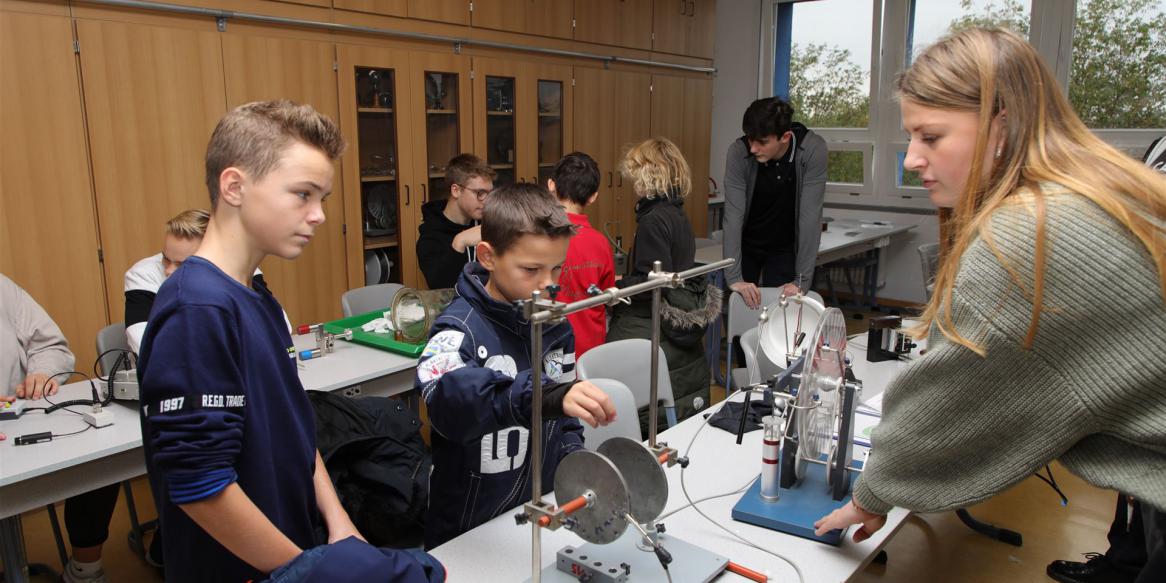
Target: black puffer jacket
(664,234)
(374,453)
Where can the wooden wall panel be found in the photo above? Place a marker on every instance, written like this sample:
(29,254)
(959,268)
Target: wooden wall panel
(152,95)
(451,11)
(698,105)
(595,135)
(259,68)
(48,230)
(633,98)
(386,7)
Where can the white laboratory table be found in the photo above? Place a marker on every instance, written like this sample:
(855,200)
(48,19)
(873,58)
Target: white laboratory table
(500,551)
(33,476)
(842,238)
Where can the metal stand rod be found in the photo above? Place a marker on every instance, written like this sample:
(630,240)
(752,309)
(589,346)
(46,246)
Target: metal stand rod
(654,375)
(536,441)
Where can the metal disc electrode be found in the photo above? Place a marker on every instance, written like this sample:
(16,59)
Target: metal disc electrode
(585,471)
(641,469)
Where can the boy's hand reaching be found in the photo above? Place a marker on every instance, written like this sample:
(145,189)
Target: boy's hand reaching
(589,404)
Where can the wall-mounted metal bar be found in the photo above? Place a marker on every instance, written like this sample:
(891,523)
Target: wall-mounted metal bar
(220,15)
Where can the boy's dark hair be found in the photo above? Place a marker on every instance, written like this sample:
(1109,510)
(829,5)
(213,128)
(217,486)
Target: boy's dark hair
(463,167)
(771,116)
(521,209)
(576,178)
(254,135)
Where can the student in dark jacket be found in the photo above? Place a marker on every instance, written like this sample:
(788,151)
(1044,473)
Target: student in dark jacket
(450,231)
(662,181)
(227,430)
(475,372)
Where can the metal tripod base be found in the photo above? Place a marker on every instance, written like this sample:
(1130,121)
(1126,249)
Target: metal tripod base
(798,508)
(605,563)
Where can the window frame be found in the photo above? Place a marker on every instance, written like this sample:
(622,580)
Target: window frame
(1051,29)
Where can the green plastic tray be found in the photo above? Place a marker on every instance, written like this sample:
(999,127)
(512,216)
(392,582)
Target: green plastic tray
(382,341)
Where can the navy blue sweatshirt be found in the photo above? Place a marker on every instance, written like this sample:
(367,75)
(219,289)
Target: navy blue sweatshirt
(475,377)
(221,403)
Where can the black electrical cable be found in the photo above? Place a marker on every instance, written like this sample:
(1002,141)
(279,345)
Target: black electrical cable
(1052,482)
(87,428)
(64,404)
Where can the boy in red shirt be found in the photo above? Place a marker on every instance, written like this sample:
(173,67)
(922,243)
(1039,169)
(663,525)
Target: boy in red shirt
(575,181)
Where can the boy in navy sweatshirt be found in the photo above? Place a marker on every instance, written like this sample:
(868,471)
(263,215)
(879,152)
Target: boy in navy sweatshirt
(228,431)
(475,372)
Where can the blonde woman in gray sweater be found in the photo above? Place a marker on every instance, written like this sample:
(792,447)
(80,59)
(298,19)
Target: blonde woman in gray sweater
(1047,328)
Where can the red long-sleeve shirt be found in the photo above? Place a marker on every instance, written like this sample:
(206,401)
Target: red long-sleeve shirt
(589,261)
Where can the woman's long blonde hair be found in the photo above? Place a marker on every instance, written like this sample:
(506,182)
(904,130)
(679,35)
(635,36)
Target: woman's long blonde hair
(989,71)
(657,169)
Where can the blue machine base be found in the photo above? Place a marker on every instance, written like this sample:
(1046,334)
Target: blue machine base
(798,508)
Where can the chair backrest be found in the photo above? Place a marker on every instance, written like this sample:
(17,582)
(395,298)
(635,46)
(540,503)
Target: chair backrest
(759,366)
(929,260)
(111,337)
(624,361)
(742,318)
(626,422)
(368,298)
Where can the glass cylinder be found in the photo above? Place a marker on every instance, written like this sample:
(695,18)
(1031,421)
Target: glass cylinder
(414,310)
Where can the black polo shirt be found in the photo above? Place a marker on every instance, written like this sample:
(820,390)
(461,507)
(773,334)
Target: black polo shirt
(769,227)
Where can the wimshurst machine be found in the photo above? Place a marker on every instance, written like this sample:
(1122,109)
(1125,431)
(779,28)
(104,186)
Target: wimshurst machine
(592,488)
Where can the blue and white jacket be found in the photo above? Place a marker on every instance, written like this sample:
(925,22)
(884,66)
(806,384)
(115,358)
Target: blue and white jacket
(475,377)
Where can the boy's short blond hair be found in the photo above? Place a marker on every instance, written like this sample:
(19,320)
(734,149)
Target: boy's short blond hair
(657,169)
(521,209)
(253,136)
(188,224)
(464,167)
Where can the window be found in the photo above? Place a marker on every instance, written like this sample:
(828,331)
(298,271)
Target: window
(837,61)
(830,64)
(1117,76)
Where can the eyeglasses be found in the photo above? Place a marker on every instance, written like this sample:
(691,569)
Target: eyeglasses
(481,193)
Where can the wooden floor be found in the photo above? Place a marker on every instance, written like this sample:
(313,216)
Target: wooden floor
(927,548)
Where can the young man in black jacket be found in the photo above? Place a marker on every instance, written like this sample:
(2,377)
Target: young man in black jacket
(450,229)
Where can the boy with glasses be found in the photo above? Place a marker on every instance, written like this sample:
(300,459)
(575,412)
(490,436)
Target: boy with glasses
(450,230)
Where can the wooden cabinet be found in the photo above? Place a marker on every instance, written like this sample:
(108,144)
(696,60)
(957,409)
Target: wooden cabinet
(497,123)
(381,206)
(522,117)
(450,11)
(540,17)
(48,228)
(621,23)
(259,68)
(405,115)
(386,7)
(684,27)
(611,115)
(153,96)
(441,96)
(681,112)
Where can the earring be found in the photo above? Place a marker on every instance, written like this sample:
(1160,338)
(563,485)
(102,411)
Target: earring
(999,151)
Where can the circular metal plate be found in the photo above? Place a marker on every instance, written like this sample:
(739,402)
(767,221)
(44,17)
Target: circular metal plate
(818,393)
(780,329)
(641,468)
(582,471)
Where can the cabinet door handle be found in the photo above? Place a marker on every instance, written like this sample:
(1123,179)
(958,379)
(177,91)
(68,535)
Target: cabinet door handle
(406,195)
(609,179)
(683,7)
(693,11)
(424,193)
(620,178)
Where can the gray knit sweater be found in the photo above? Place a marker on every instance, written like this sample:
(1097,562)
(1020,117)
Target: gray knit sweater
(958,428)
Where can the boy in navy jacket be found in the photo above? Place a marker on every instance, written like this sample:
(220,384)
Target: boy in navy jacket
(475,372)
(228,431)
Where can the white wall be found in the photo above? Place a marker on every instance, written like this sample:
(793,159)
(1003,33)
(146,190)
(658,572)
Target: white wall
(736,54)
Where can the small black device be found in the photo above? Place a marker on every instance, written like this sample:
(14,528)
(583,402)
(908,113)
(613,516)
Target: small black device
(885,340)
(31,438)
